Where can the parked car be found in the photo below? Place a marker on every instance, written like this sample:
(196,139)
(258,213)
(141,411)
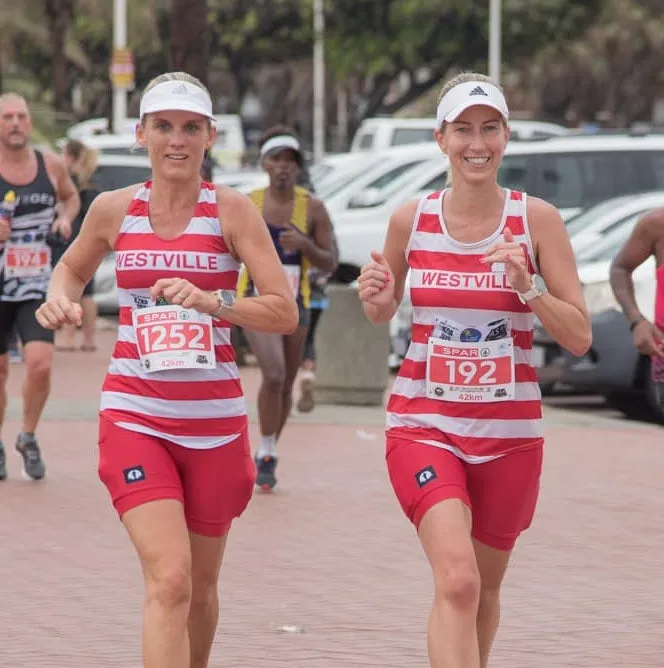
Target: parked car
(612,367)
(598,222)
(115,171)
(227,151)
(379,134)
(572,172)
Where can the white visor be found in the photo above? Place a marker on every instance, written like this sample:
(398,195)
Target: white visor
(177,96)
(281,142)
(470,94)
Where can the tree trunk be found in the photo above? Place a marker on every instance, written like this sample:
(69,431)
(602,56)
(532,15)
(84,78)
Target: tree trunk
(190,38)
(59,13)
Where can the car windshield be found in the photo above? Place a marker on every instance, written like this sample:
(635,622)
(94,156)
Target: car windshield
(112,177)
(581,221)
(609,246)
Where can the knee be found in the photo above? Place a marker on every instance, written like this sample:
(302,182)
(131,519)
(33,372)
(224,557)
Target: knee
(39,369)
(169,584)
(489,596)
(275,379)
(204,594)
(459,584)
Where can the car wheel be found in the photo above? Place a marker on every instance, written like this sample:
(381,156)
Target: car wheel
(631,404)
(656,405)
(547,389)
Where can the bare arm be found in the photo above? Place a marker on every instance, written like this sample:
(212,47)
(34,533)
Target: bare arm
(247,236)
(562,310)
(394,252)
(93,243)
(65,189)
(321,249)
(638,248)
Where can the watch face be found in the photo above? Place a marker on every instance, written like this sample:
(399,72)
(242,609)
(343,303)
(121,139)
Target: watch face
(538,283)
(227,297)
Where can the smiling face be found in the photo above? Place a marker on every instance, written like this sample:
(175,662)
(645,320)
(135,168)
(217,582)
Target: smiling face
(474,143)
(176,142)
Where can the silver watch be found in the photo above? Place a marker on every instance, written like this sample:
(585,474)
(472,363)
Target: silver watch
(226,299)
(537,289)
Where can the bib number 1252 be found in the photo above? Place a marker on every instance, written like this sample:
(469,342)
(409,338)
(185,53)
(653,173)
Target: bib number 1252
(171,337)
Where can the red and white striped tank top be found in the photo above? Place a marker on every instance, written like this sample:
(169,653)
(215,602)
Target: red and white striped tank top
(468,292)
(194,408)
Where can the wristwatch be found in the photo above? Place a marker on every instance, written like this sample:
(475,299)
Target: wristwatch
(537,289)
(226,299)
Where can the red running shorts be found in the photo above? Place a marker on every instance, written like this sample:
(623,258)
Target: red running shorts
(213,485)
(501,493)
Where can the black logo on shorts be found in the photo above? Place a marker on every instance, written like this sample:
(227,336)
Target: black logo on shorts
(134,474)
(425,476)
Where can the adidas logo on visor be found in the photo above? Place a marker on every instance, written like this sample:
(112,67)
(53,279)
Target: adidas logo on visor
(182,90)
(478,90)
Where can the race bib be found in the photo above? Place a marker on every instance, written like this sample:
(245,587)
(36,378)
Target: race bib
(171,337)
(293,274)
(479,372)
(27,261)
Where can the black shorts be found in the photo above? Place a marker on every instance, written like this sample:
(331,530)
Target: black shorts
(21,316)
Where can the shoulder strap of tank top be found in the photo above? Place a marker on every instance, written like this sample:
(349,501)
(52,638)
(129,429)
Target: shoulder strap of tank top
(300,209)
(258,198)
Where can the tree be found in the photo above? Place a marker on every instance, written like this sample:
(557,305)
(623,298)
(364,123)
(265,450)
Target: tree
(59,15)
(375,43)
(615,70)
(267,31)
(190,38)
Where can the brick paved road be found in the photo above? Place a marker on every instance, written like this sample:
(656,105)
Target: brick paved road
(330,552)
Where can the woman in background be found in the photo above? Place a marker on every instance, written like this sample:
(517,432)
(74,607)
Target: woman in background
(81,160)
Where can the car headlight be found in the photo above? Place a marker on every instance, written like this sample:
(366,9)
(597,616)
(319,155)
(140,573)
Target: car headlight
(599,297)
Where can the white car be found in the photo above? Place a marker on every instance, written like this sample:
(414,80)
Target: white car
(228,148)
(379,134)
(591,227)
(115,171)
(375,176)
(571,172)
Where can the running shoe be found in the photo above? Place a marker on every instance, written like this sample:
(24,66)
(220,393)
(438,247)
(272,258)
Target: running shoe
(33,465)
(307,400)
(265,468)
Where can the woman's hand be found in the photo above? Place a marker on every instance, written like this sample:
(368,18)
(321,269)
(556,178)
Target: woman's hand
(181,292)
(512,255)
(58,311)
(376,281)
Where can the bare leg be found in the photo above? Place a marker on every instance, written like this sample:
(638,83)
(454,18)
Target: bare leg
(293,351)
(89,308)
(445,536)
(38,357)
(159,533)
(4,375)
(66,337)
(492,565)
(269,352)
(207,555)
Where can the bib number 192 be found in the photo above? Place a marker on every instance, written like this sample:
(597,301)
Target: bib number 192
(465,371)
(471,373)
